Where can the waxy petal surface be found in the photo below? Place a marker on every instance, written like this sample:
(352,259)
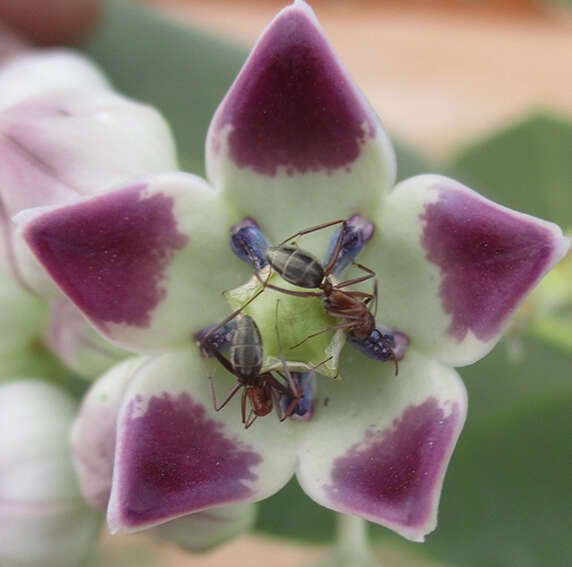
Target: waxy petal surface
(76,343)
(43,520)
(453,266)
(40,71)
(59,147)
(295,134)
(146,264)
(93,434)
(175,455)
(204,530)
(386,457)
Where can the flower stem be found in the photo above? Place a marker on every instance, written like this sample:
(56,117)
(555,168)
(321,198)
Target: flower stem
(352,548)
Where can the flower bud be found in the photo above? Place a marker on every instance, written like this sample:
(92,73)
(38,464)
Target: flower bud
(93,433)
(43,520)
(204,530)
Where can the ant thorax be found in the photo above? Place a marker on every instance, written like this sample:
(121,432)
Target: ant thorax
(298,317)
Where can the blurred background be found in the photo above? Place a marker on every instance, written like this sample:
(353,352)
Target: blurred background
(438,72)
(482,91)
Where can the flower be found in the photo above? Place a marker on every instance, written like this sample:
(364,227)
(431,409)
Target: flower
(43,519)
(63,132)
(292,145)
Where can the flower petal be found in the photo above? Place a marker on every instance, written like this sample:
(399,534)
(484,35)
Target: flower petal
(385,442)
(93,434)
(295,129)
(204,530)
(44,70)
(176,456)
(59,147)
(146,263)
(453,266)
(75,342)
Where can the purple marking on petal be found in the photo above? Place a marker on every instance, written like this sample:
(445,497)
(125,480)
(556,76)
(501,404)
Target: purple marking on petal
(293,105)
(176,460)
(109,254)
(392,474)
(489,260)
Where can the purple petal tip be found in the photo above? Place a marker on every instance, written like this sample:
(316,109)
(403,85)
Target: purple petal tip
(489,257)
(293,105)
(176,460)
(392,476)
(109,254)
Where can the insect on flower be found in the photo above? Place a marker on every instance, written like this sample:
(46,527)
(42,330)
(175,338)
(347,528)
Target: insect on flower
(263,390)
(303,269)
(379,343)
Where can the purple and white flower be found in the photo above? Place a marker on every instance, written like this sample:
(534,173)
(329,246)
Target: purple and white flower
(293,144)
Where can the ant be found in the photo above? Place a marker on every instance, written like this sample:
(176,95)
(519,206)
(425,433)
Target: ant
(263,391)
(250,245)
(304,270)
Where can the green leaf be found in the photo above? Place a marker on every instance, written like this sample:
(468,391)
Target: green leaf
(527,166)
(182,71)
(410,162)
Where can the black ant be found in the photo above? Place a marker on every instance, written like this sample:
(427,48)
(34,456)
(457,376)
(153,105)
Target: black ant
(263,391)
(304,270)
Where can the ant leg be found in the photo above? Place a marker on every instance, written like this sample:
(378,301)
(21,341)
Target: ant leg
(265,285)
(375,297)
(243,406)
(229,396)
(393,355)
(345,325)
(370,274)
(336,251)
(296,293)
(313,229)
(364,296)
(249,423)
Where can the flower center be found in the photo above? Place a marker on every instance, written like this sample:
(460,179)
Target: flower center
(295,329)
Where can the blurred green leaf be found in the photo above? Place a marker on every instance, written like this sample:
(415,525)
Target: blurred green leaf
(182,71)
(32,361)
(527,166)
(410,162)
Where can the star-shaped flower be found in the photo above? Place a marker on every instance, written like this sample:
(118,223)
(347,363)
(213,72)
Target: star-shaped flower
(292,145)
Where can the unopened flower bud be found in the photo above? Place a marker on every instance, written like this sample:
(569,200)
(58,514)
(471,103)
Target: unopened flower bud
(43,520)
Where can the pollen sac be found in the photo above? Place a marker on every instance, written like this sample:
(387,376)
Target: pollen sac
(218,340)
(304,409)
(380,343)
(248,242)
(357,234)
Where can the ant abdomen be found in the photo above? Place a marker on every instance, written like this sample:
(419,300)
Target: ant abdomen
(296,266)
(246,351)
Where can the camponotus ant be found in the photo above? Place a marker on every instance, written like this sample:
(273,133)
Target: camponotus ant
(303,269)
(263,391)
